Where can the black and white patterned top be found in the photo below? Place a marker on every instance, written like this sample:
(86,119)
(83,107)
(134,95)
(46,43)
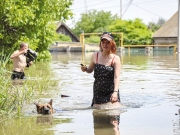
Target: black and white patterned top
(104,83)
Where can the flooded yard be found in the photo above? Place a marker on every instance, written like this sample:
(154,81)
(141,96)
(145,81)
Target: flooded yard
(149,90)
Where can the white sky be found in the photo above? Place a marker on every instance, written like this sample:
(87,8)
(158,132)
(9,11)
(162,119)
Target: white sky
(147,10)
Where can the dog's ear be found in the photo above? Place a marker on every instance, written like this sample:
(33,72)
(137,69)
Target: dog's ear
(36,104)
(50,102)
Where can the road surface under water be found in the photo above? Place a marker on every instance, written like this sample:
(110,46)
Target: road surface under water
(149,90)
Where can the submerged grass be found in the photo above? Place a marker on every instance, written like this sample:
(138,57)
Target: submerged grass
(14,94)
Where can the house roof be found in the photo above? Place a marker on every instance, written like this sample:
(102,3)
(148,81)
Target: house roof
(169,29)
(61,24)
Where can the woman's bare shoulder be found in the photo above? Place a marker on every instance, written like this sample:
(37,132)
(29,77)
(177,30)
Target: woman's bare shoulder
(95,53)
(117,57)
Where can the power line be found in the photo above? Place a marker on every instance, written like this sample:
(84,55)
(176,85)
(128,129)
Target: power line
(127,7)
(146,10)
(148,2)
(136,4)
(155,1)
(92,5)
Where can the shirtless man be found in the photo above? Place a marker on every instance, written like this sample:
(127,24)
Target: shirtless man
(19,62)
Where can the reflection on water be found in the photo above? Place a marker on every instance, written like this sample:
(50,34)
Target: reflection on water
(17,82)
(44,119)
(149,87)
(24,126)
(176,127)
(106,122)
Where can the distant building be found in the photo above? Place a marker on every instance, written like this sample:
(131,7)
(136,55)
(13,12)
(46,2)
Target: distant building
(168,32)
(63,29)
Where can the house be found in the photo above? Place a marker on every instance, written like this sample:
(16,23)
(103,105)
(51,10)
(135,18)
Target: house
(63,29)
(168,32)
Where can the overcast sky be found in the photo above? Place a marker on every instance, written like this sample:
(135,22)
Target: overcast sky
(147,10)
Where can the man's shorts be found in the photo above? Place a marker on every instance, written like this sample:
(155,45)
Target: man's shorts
(18,75)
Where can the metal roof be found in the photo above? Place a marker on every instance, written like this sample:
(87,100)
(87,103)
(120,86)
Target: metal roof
(169,29)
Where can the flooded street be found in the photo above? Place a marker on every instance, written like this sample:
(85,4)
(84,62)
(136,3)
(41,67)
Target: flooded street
(149,90)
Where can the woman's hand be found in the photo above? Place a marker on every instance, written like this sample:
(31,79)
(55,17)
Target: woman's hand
(114,97)
(84,68)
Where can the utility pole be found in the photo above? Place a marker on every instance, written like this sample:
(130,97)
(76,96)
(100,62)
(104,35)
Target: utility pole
(85,5)
(127,7)
(178,37)
(120,9)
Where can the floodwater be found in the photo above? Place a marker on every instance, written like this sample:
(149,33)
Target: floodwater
(149,90)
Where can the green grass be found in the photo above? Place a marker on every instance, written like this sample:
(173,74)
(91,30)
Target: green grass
(14,94)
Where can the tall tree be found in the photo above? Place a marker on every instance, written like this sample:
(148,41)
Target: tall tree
(154,26)
(94,21)
(134,31)
(32,21)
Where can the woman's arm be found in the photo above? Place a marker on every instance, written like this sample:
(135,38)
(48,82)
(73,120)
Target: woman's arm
(117,68)
(90,68)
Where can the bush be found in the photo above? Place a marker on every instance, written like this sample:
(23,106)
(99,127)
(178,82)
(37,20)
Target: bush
(92,39)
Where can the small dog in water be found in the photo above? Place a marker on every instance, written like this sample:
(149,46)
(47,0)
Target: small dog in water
(45,108)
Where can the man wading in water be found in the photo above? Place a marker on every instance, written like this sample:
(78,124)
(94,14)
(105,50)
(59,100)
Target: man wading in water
(19,62)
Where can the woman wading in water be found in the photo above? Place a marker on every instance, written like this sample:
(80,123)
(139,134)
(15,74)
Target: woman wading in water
(106,66)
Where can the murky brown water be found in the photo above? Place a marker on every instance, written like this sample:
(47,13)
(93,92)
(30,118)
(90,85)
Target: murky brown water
(149,87)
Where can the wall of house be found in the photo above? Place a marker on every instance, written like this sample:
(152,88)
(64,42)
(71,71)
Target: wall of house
(63,30)
(164,41)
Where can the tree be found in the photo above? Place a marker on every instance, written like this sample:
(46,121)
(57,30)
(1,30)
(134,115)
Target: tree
(94,21)
(154,26)
(134,31)
(62,38)
(31,21)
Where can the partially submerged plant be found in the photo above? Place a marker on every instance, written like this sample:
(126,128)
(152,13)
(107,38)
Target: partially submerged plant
(15,93)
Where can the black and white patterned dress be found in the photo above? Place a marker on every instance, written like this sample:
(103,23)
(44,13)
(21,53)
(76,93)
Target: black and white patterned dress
(104,83)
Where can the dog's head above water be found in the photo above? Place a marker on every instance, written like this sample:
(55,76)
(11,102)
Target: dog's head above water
(45,108)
